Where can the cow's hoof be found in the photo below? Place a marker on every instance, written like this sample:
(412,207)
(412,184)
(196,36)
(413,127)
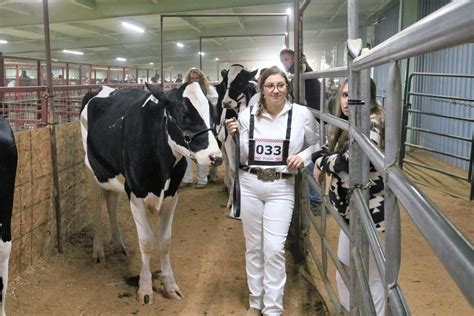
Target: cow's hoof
(146,299)
(99,256)
(174,295)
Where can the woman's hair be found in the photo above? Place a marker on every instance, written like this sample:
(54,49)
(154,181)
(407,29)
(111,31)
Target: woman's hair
(338,139)
(202,78)
(274,70)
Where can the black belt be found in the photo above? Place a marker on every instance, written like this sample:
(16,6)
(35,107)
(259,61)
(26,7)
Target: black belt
(267,174)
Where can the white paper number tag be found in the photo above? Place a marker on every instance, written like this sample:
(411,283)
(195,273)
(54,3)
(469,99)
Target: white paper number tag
(269,150)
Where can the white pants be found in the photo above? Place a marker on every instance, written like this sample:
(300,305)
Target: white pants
(266,209)
(202,172)
(375,282)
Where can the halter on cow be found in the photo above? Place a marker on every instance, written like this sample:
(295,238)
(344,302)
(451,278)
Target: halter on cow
(135,142)
(8,165)
(235,91)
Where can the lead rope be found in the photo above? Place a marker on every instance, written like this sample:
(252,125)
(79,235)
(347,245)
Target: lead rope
(236,189)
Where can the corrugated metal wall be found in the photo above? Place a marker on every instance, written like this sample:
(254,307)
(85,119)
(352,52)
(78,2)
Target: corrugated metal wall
(385,28)
(456,60)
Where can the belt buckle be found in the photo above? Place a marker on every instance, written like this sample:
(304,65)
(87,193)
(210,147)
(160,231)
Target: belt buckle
(266,174)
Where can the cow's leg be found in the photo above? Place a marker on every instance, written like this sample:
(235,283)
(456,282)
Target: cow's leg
(164,237)
(97,195)
(111,197)
(146,242)
(5,250)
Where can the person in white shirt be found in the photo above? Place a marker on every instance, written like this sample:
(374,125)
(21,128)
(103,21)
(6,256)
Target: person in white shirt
(276,140)
(196,75)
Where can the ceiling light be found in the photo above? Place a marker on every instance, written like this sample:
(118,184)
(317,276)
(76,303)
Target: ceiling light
(288,11)
(133,27)
(201,53)
(3,41)
(121,59)
(74,52)
(283,47)
(179,45)
(217,58)
(152,63)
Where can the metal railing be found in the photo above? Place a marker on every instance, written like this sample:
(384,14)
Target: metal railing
(27,107)
(451,25)
(409,111)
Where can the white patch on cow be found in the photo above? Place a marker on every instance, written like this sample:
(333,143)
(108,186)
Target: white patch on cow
(152,99)
(194,93)
(5,250)
(116,184)
(231,75)
(104,93)
(153,202)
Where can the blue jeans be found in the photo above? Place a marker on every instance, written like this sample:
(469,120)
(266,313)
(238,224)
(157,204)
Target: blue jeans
(314,196)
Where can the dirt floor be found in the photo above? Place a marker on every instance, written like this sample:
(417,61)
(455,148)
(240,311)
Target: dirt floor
(207,257)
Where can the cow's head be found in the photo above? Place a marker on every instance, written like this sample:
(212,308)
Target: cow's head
(237,79)
(190,118)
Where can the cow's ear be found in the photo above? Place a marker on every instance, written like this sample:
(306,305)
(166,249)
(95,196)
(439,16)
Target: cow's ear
(253,73)
(224,73)
(157,93)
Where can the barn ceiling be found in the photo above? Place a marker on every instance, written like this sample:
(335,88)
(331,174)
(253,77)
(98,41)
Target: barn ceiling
(94,27)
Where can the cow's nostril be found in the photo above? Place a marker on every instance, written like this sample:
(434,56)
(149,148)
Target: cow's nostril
(216,160)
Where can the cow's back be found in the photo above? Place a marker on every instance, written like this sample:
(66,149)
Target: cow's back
(8,164)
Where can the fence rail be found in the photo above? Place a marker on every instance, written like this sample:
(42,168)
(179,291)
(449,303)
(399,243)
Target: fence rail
(449,26)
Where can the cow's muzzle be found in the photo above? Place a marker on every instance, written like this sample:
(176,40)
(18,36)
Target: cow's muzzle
(216,160)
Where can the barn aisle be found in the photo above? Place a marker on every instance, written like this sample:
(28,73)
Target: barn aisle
(207,257)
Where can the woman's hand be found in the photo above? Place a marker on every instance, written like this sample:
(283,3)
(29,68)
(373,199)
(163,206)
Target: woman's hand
(232,126)
(295,162)
(318,175)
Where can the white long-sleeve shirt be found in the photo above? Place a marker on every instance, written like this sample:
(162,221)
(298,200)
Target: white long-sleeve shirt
(304,138)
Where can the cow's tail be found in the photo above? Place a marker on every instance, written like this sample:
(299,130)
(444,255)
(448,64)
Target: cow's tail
(89,95)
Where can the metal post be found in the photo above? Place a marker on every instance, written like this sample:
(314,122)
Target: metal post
(392,212)
(54,151)
(161,49)
(287,34)
(200,53)
(297,54)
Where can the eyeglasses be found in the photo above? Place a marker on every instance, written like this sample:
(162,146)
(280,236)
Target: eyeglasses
(280,86)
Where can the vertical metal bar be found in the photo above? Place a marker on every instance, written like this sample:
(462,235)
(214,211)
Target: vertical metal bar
(287,34)
(80,75)
(200,52)
(108,75)
(296,57)
(54,152)
(406,107)
(322,140)
(471,166)
(147,75)
(136,74)
(355,158)
(67,75)
(392,212)
(161,50)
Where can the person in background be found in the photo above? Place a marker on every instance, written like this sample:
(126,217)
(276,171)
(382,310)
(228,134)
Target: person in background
(313,100)
(333,159)
(276,140)
(179,78)
(196,75)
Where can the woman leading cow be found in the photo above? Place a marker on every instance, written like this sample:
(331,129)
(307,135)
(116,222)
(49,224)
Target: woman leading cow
(276,139)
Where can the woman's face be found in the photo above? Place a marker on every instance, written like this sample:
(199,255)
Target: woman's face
(275,89)
(194,77)
(344,98)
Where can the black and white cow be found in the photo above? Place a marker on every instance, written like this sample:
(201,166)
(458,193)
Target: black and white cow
(8,164)
(135,142)
(235,91)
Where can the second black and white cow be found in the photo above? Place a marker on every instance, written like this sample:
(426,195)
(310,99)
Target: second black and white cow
(135,142)
(8,164)
(235,91)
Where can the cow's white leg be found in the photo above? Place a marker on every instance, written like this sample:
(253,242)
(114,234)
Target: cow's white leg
(164,238)
(111,198)
(5,250)
(97,195)
(146,242)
